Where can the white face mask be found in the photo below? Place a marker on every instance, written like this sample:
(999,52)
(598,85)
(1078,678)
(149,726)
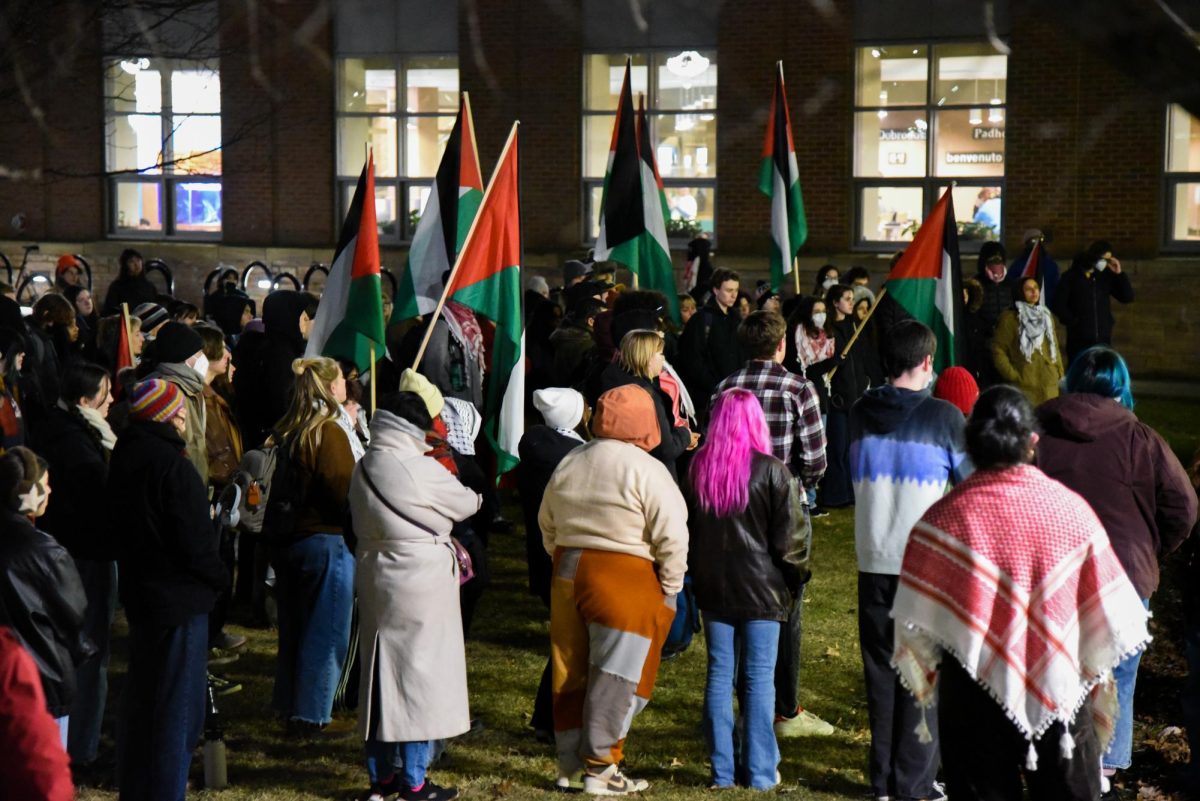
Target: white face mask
(1101,264)
(201,366)
(828,282)
(819,319)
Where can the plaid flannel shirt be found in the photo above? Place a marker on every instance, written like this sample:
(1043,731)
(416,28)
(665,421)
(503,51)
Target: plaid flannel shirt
(793,414)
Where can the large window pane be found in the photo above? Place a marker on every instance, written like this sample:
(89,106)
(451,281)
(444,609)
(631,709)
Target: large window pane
(198,206)
(686,80)
(425,139)
(969,142)
(197,145)
(595,194)
(196,92)
(890,144)
(354,133)
(896,75)
(977,210)
(431,84)
(602,77)
(691,209)
(1183,140)
(367,84)
(597,139)
(972,74)
(1185,221)
(888,213)
(386,207)
(134,142)
(137,206)
(685,145)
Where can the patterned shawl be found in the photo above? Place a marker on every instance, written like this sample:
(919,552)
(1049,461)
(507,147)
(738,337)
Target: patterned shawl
(1013,575)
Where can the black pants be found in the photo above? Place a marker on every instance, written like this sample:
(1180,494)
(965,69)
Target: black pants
(984,755)
(787,662)
(901,767)
(220,612)
(837,488)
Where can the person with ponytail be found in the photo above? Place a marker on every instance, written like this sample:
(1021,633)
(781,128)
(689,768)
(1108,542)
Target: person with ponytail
(749,545)
(77,442)
(314,567)
(1011,613)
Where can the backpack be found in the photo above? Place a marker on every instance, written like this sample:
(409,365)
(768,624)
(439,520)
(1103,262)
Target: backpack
(270,491)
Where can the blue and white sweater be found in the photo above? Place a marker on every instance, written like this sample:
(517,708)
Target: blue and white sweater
(905,448)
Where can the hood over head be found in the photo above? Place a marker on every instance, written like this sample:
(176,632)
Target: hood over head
(628,414)
(281,314)
(886,408)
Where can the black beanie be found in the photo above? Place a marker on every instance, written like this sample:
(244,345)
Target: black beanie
(175,343)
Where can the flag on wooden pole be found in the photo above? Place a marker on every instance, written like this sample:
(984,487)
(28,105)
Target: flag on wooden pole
(779,179)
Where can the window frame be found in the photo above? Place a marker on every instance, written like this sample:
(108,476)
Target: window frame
(930,183)
(401,182)
(1171,180)
(166,178)
(589,183)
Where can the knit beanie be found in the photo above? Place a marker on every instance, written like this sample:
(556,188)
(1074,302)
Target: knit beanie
(175,343)
(538,284)
(412,381)
(627,414)
(151,314)
(21,472)
(957,385)
(560,407)
(65,262)
(155,400)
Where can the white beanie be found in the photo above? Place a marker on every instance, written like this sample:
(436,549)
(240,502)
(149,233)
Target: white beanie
(561,408)
(538,285)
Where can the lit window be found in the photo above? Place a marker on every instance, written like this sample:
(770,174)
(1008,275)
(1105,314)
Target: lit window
(681,108)
(925,116)
(1183,178)
(163,147)
(405,108)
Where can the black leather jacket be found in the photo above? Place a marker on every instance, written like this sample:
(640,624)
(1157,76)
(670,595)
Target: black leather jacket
(751,566)
(42,600)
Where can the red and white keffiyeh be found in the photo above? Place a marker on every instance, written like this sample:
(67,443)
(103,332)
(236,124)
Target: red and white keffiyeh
(1013,574)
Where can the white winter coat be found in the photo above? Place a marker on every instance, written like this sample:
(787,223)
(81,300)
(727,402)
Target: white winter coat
(414,669)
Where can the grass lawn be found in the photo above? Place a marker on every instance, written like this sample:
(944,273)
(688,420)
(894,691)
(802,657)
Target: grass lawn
(506,653)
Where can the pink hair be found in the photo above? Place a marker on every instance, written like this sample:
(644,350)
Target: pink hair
(720,471)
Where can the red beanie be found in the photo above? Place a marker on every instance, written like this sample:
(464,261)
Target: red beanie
(957,386)
(65,262)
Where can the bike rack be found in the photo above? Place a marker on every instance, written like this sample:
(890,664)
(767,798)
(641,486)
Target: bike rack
(286,277)
(160,266)
(316,267)
(218,273)
(250,268)
(87,269)
(8,267)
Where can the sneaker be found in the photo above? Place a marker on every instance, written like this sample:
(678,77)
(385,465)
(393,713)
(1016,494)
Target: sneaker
(429,792)
(817,511)
(381,790)
(222,686)
(570,773)
(228,642)
(804,724)
(218,657)
(939,792)
(611,781)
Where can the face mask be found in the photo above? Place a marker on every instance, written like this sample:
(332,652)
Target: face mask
(819,320)
(1101,264)
(828,282)
(201,366)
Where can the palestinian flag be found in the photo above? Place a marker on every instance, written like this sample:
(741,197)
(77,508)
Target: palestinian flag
(1033,269)
(779,179)
(125,358)
(633,210)
(349,323)
(487,278)
(927,284)
(453,200)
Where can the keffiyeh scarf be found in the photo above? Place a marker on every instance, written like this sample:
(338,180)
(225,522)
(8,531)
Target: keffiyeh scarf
(465,329)
(1013,575)
(1035,324)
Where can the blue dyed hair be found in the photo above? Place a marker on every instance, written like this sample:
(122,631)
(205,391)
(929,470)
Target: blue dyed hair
(1101,371)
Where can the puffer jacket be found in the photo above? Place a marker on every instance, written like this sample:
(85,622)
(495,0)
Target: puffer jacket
(751,566)
(42,600)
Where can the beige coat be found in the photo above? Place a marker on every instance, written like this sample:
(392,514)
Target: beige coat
(410,627)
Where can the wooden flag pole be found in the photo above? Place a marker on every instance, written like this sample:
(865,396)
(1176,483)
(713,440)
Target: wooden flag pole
(512,135)
(128,332)
(373,381)
(796,273)
(859,330)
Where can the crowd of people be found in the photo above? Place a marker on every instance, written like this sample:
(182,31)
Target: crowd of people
(1010,517)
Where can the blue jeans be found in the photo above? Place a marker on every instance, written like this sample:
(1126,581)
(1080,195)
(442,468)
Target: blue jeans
(314,588)
(743,651)
(162,710)
(1119,755)
(91,675)
(409,759)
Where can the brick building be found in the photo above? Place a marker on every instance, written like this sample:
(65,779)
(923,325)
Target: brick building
(232,132)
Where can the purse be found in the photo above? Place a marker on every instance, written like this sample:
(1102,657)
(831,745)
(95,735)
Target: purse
(466,569)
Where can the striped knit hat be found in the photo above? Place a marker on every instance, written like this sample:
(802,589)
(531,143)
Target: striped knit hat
(155,400)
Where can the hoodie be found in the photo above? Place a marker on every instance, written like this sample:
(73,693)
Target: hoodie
(264,379)
(1128,474)
(905,448)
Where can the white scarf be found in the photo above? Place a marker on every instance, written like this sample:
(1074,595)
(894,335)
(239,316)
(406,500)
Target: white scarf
(347,425)
(1035,326)
(96,420)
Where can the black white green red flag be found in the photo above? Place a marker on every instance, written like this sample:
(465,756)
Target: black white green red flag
(927,282)
(779,179)
(453,201)
(487,278)
(633,209)
(349,322)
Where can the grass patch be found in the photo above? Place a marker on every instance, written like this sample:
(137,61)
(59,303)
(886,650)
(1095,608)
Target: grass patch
(507,650)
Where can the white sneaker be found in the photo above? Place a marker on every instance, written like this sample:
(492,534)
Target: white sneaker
(805,724)
(611,781)
(939,792)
